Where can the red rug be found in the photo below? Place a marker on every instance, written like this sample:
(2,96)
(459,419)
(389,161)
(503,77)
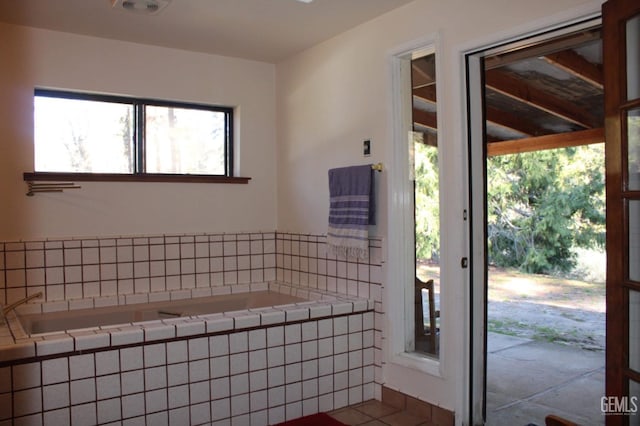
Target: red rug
(320,419)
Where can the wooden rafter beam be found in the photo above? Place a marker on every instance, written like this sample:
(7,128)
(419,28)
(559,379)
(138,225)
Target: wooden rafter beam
(427,92)
(425,118)
(519,90)
(556,45)
(519,123)
(577,66)
(494,115)
(423,72)
(559,140)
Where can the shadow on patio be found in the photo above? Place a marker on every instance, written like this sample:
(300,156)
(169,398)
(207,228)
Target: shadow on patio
(529,379)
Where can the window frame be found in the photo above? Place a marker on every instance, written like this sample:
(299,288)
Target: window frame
(139,173)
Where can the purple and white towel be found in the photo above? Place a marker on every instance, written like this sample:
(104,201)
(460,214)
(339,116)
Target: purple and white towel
(351,210)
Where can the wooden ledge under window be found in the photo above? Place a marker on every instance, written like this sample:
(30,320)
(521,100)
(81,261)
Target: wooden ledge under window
(117,177)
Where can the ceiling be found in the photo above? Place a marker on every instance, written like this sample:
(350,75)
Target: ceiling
(544,96)
(263,30)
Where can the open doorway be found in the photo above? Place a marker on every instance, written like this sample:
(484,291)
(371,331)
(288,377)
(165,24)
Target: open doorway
(546,313)
(545,229)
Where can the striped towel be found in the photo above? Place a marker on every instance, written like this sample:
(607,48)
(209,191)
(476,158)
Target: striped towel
(351,211)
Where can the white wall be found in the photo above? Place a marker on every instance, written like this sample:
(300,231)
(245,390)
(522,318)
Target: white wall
(336,94)
(39,58)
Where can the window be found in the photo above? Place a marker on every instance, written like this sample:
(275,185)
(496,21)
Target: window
(414,254)
(426,173)
(99,134)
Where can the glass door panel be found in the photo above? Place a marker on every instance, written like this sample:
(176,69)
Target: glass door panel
(633,58)
(634,330)
(634,240)
(621,42)
(634,403)
(633,150)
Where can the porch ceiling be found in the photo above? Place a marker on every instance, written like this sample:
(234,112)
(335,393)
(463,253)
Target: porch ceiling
(544,96)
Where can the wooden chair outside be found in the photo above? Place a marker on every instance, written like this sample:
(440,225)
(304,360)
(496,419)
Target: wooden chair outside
(553,420)
(430,332)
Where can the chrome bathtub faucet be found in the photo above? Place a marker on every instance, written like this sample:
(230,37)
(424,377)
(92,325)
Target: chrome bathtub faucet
(6,309)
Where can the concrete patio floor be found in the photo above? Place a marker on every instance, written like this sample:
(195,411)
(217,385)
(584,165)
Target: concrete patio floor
(528,379)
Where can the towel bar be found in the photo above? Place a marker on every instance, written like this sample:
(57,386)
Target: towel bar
(377,167)
(49,187)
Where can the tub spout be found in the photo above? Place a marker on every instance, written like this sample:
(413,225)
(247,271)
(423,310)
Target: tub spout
(6,309)
(170,314)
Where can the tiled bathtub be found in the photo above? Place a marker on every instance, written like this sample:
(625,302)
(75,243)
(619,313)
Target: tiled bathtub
(102,318)
(257,366)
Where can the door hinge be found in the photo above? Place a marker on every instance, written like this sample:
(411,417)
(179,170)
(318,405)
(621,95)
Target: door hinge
(464,263)
(464,214)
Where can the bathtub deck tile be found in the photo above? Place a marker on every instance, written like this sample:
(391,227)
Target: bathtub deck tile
(246,320)
(315,295)
(201,292)
(210,317)
(84,330)
(159,296)
(12,323)
(190,328)
(342,308)
(136,298)
(259,286)
(297,314)
(127,335)
(57,344)
(109,328)
(261,310)
(61,305)
(81,304)
(181,295)
(158,331)
(240,288)
(272,317)
(219,324)
(284,307)
(320,310)
(90,340)
(106,301)
(360,305)
(220,291)
(174,321)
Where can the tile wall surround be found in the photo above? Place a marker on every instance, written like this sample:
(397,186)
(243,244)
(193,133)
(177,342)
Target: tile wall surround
(80,273)
(304,260)
(72,271)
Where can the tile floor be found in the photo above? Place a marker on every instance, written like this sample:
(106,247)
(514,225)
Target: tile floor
(527,380)
(375,413)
